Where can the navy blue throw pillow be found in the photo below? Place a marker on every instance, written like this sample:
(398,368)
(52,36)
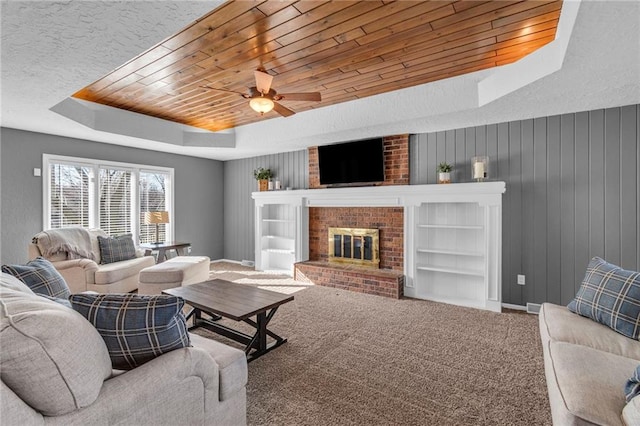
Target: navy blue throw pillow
(135,328)
(632,388)
(610,295)
(41,277)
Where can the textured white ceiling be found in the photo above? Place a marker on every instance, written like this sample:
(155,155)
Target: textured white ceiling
(51,49)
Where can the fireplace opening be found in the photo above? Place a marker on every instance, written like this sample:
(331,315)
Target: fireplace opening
(357,246)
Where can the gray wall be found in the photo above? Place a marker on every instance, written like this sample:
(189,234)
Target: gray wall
(573,192)
(291,168)
(198,189)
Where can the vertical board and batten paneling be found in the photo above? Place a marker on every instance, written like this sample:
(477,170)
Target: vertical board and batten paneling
(291,168)
(573,192)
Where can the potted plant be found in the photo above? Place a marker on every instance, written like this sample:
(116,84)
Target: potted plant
(262,175)
(444,172)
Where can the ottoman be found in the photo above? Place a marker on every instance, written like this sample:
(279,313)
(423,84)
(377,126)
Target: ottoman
(175,272)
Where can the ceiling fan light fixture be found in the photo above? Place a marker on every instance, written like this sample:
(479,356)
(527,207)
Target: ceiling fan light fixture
(261,104)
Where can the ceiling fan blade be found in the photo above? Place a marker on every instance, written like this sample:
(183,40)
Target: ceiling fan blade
(310,96)
(263,81)
(282,110)
(223,90)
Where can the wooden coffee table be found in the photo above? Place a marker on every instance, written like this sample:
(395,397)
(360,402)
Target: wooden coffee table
(239,302)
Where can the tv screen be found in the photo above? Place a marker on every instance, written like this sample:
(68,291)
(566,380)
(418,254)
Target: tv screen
(358,162)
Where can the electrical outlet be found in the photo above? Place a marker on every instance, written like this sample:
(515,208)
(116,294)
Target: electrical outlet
(521,280)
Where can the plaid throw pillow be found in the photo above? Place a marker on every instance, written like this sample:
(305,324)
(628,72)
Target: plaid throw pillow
(610,295)
(632,388)
(115,249)
(135,328)
(41,277)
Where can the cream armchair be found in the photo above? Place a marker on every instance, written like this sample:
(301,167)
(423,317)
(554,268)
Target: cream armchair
(90,275)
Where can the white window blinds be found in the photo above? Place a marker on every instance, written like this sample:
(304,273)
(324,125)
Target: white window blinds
(153,189)
(69,195)
(107,195)
(115,201)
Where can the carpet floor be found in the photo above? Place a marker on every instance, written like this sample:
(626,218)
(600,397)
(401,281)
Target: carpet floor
(357,359)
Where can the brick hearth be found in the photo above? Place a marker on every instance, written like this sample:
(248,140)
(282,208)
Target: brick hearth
(380,282)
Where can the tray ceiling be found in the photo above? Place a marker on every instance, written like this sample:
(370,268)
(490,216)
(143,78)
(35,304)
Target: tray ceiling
(345,50)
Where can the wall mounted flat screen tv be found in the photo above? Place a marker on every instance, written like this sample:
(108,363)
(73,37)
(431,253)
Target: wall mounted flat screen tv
(352,163)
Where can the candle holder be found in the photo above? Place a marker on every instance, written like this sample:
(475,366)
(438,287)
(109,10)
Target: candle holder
(479,168)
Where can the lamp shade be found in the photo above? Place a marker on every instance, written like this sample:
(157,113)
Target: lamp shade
(151,218)
(261,104)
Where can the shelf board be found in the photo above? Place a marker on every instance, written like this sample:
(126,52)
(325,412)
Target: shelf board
(277,271)
(279,220)
(431,225)
(279,251)
(450,270)
(279,237)
(451,252)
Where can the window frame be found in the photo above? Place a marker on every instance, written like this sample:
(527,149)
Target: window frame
(94,192)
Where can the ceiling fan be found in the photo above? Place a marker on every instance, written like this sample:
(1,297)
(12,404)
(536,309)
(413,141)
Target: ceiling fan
(262,98)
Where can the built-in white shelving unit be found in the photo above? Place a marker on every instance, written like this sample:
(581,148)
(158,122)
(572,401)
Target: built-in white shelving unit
(452,235)
(280,238)
(450,254)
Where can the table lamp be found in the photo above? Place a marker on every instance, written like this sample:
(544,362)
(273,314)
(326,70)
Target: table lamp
(156,218)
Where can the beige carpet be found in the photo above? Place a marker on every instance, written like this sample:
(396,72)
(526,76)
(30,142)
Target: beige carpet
(355,359)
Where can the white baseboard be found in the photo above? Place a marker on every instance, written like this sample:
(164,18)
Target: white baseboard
(514,307)
(226,260)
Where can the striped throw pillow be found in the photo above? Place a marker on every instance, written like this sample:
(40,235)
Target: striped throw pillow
(135,328)
(41,277)
(610,295)
(116,249)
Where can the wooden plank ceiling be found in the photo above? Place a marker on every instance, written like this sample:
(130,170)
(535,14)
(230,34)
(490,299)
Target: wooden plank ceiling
(343,49)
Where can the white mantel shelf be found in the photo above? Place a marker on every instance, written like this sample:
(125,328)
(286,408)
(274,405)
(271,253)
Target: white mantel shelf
(443,224)
(384,196)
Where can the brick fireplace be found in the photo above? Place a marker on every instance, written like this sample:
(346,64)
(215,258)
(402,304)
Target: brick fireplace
(389,221)
(389,279)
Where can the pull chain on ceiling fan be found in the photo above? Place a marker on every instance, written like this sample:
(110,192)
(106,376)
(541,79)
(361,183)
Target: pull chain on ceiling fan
(262,98)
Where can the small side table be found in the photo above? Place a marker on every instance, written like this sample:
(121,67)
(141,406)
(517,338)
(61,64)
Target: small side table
(163,248)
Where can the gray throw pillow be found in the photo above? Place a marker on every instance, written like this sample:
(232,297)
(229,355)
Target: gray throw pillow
(116,249)
(610,295)
(135,328)
(41,277)
(51,357)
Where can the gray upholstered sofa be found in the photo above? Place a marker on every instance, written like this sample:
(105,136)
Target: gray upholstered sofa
(56,370)
(586,367)
(85,274)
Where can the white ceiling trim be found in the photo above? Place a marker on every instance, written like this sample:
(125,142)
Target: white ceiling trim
(541,63)
(118,121)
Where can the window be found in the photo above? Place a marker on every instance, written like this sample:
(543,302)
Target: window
(108,195)
(115,201)
(153,197)
(69,195)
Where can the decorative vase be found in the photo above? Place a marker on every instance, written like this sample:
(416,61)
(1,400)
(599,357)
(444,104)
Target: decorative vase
(444,177)
(263,184)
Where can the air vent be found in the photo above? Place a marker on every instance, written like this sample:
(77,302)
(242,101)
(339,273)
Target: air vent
(533,308)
